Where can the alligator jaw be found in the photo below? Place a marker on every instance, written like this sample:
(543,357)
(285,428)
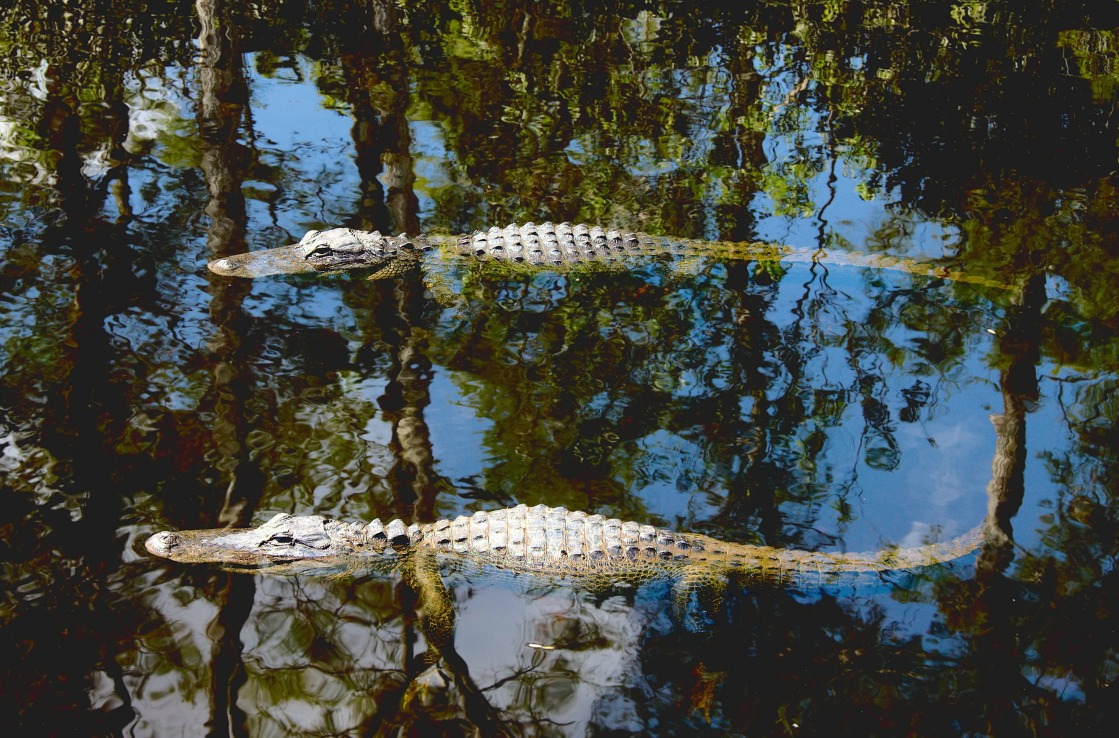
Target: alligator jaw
(319,251)
(226,549)
(210,546)
(281,540)
(282,260)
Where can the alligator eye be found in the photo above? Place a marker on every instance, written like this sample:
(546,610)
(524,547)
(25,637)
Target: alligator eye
(282,538)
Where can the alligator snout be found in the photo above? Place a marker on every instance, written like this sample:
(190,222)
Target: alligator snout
(163,543)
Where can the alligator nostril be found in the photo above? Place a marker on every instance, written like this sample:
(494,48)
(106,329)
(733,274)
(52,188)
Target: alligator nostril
(162,543)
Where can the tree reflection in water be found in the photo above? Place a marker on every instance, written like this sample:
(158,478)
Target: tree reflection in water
(794,405)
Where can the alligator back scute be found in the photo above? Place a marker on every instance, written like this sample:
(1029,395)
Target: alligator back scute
(562,244)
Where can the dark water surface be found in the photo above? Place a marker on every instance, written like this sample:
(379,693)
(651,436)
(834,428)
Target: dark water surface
(796,405)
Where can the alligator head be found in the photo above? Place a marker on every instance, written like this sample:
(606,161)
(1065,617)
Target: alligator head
(343,248)
(311,541)
(321,251)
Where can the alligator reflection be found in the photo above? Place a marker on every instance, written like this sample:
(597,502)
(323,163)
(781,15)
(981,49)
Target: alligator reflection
(799,407)
(533,653)
(611,652)
(556,649)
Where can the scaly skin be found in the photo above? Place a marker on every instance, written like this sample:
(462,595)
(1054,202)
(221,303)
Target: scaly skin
(588,550)
(529,246)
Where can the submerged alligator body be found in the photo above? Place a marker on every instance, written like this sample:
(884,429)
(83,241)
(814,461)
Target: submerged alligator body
(588,550)
(531,246)
(534,246)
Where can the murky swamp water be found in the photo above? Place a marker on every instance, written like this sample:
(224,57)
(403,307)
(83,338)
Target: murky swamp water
(813,406)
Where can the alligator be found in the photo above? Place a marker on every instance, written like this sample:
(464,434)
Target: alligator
(589,551)
(560,246)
